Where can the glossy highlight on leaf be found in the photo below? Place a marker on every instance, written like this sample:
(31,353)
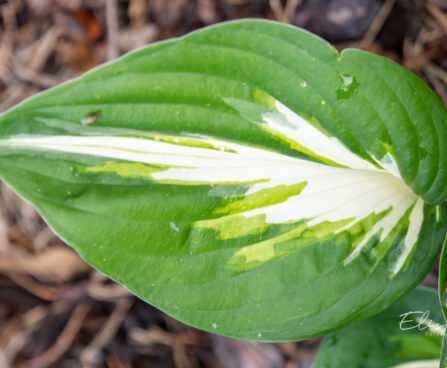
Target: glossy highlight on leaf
(245,179)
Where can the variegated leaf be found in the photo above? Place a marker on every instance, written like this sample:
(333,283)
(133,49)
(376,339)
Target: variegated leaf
(246,179)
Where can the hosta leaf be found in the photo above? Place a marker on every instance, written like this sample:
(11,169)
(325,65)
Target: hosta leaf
(443,360)
(406,335)
(442,289)
(246,179)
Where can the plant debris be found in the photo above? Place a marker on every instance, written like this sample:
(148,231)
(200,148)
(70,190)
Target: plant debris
(90,119)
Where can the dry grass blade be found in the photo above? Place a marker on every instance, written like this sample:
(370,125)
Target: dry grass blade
(376,25)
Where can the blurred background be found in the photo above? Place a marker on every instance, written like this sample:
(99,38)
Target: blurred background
(55,311)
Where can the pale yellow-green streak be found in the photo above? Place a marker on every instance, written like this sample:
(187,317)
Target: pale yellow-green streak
(123,169)
(234,226)
(262,198)
(255,255)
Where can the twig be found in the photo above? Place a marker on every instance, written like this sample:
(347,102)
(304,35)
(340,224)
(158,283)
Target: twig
(376,25)
(40,290)
(440,17)
(137,11)
(18,331)
(277,9)
(438,78)
(438,72)
(290,9)
(8,13)
(41,50)
(153,336)
(112,29)
(64,340)
(284,13)
(39,79)
(99,291)
(107,332)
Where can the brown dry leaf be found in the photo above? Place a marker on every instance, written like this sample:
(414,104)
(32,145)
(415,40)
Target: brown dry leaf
(56,264)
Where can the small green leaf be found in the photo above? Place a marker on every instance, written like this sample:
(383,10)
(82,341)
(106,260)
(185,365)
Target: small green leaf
(245,179)
(442,290)
(406,335)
